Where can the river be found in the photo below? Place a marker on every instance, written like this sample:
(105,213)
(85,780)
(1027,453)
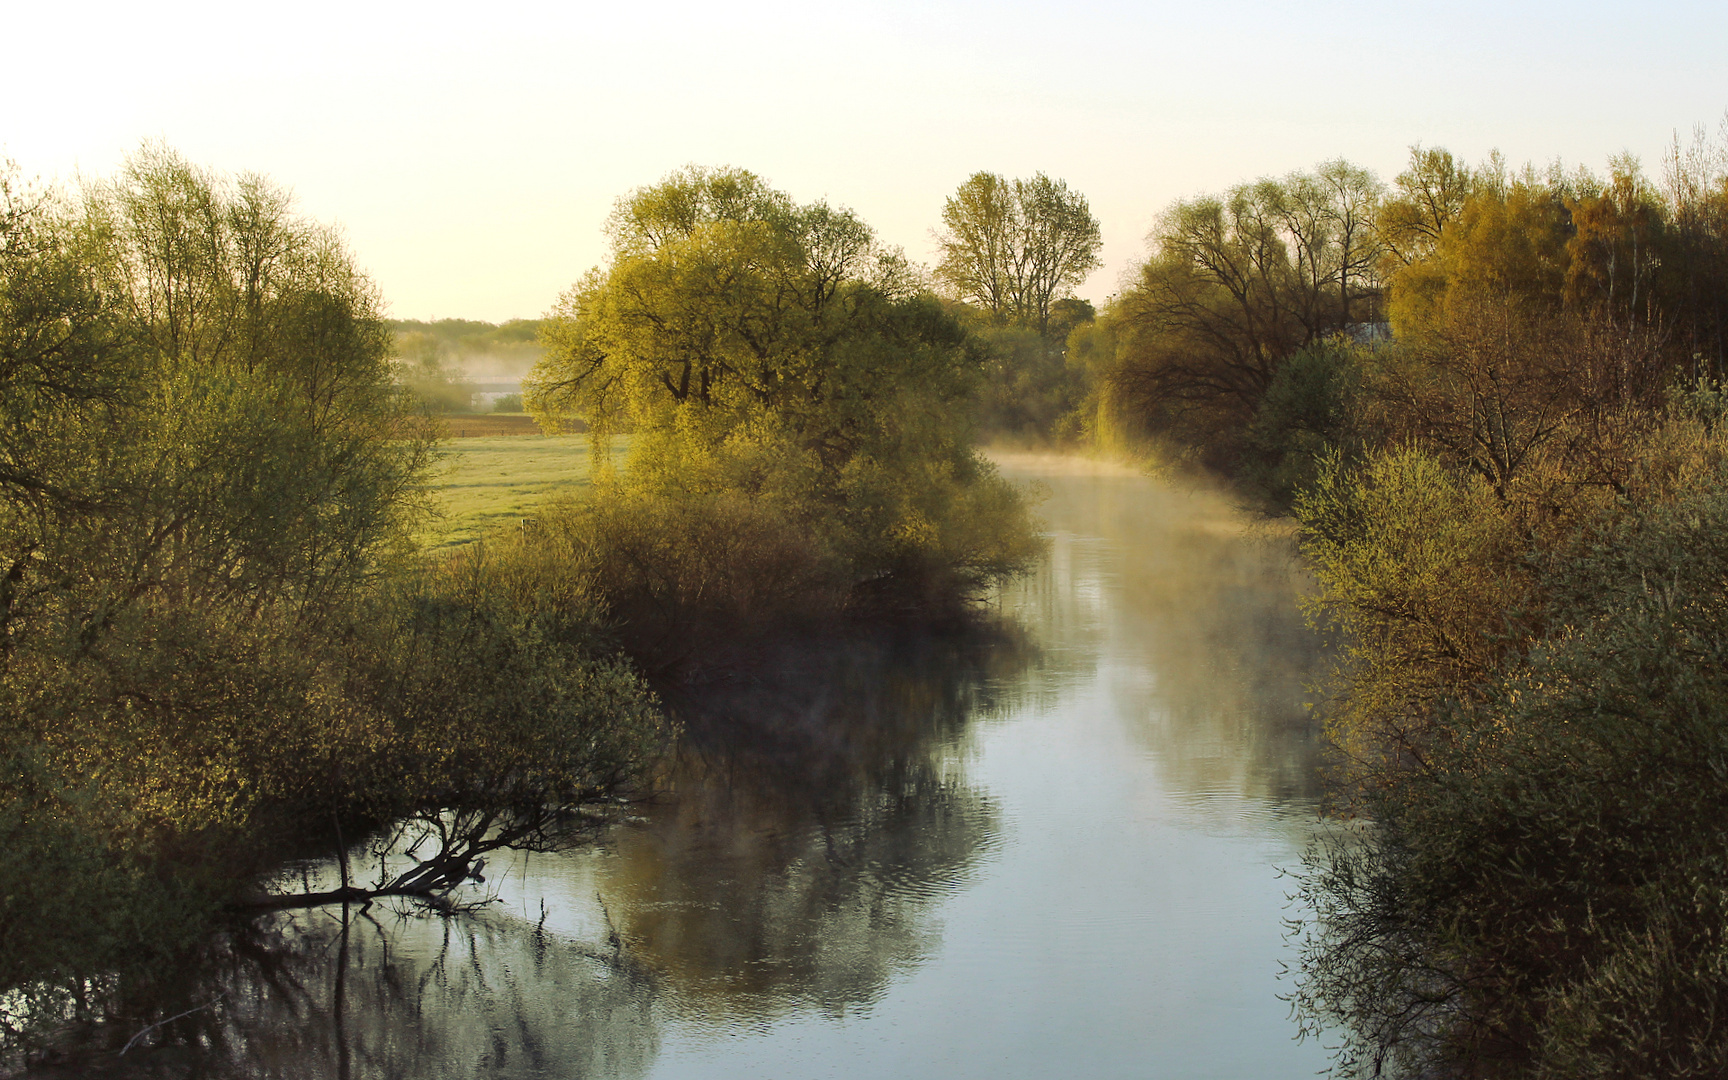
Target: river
(1051,849)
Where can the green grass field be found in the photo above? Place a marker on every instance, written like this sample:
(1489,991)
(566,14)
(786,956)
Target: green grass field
(490,481)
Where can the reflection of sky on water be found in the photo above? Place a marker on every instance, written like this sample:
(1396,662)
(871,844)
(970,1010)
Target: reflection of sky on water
(390,995)
(1051,853)
(1150,770)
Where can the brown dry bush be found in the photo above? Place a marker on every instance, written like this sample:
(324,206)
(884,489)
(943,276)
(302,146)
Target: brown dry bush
(681,574)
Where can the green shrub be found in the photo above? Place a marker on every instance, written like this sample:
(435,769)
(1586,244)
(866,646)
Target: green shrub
(500,694)
(1424,584)
(1547,891)
(217,645)
(680,573)
(1310,411)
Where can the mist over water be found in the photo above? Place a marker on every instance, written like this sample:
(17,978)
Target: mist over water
(1049,847)
(1184,612)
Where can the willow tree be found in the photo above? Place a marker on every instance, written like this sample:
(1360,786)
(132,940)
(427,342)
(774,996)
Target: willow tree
(764,350)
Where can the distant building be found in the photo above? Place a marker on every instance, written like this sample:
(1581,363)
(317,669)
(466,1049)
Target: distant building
(1369,333)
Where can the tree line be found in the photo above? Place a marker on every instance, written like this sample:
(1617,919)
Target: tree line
(440,361)
(1492,399)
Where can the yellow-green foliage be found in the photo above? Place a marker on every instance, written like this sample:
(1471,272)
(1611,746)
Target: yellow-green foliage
(1451,258)
(1429,574)
(73,907)
(202,457)
(492,482)
(1420,574)
(492,673)
(681,572)
(1547,895)
(774,363)
(1613,249)
(215,639)
(1016,249)
(1507,241)
(1526,701)
(177,755)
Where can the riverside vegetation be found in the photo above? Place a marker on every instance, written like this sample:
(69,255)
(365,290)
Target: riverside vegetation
(796,401)
(1493,399)
(219,647)
(220,644)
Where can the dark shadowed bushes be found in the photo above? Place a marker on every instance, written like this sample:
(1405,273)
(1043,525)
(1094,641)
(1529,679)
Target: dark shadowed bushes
(1545,891)
(1312,411)
(684,576)
(681,573)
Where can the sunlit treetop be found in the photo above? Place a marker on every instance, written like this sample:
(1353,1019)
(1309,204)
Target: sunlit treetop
(729,312)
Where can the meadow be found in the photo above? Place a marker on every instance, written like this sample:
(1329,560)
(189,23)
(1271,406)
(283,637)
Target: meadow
(486,481)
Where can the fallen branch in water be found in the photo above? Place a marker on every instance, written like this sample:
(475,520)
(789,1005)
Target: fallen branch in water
(464,838)
(133,1041)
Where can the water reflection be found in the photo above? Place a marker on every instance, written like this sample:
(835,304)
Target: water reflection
(1188,612)
(385,993)
(1001,853)
(820,812)
(417,996)
(814,817)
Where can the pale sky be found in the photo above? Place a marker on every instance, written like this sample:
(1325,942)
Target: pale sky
(472,152)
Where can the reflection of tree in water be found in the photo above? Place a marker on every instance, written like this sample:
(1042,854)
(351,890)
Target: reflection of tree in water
(819,812)
(1222,629)
(1191,617)
(395,996)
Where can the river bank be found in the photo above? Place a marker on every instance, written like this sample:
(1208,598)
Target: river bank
(1048,849)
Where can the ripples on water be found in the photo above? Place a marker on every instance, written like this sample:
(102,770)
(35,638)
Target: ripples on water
(1046,848)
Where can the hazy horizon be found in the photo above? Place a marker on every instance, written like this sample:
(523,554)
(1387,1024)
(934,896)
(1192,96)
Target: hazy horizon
(472,163)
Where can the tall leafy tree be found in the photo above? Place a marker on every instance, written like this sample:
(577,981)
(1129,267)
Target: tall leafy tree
(776,352)
(1017,247)
(201,456)
(1425,197)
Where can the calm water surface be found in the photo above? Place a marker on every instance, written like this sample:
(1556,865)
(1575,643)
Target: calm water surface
(1053,851)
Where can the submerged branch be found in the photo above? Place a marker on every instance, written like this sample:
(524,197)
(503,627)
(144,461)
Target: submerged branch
(463,842)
